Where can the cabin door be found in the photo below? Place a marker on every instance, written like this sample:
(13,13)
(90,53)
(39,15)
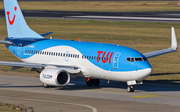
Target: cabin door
(116,60)
(19,50)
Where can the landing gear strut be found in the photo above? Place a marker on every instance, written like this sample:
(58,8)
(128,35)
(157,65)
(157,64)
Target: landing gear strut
(130,89)
(91,82)
(47,86)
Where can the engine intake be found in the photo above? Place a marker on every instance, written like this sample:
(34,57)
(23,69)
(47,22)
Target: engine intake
(55,77)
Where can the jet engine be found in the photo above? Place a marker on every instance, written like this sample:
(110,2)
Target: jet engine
(54,77)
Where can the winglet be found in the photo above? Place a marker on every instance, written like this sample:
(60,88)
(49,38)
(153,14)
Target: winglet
(174,47)
(173,39)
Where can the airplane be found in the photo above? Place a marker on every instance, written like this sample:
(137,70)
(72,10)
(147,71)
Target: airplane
(58,60)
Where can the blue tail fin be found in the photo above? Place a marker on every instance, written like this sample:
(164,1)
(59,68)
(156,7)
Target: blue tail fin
(16,24)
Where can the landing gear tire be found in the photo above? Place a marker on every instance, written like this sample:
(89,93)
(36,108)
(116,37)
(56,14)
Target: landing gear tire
(130,89)
(89,82)
(96,82)
(52,86)
(46,86)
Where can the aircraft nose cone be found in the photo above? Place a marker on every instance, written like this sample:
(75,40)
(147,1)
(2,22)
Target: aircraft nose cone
(146,72)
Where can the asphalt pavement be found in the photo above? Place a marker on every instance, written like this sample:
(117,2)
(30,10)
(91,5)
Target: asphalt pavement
(77,97)
(166,16)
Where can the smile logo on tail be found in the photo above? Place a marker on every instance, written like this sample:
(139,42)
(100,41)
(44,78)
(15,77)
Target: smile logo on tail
(11,22)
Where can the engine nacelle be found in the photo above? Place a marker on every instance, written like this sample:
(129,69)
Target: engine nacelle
(55,77)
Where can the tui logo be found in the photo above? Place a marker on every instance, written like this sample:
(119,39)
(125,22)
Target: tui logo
(8,13)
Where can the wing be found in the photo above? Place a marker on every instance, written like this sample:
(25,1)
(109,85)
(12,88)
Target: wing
(17,65)
(173,47)
(6,42)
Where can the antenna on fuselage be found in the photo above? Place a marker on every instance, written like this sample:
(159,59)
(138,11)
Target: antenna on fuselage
(79,39)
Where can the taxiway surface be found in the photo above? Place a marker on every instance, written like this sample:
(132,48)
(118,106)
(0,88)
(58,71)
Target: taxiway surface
(78,97)
(169,16)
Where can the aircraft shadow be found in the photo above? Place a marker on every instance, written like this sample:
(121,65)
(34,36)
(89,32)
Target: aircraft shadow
(149,86)
(10,85)
(157,74)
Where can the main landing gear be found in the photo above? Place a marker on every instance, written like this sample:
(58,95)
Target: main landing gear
(130,89)
(47,86)
(91,82)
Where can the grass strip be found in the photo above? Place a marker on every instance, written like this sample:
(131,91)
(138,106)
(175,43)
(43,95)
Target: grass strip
(100,6)
(5,107)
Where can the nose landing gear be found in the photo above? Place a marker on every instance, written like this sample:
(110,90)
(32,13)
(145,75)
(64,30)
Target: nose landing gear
(130,84)
(130,89)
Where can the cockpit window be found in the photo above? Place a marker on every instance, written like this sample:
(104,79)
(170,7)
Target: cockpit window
(144,58)
(131,59)
(139,59)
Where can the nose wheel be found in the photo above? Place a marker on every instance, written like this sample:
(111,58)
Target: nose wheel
(130,89)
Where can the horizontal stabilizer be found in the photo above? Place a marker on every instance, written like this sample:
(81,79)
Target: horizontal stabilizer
(6,42)
(174,47)
(45,34)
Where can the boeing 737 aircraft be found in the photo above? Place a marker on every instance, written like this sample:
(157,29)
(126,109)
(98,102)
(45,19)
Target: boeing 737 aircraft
(58,60)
